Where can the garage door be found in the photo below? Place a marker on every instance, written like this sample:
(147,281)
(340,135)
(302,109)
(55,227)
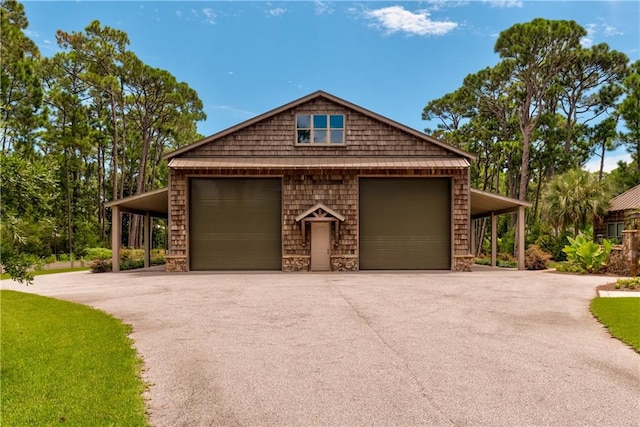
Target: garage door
(234,224)
(405,223)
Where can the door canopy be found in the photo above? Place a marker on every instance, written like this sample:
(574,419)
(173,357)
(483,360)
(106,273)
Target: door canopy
(319,213)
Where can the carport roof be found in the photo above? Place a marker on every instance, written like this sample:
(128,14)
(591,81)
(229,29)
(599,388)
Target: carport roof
(308,162)
(484,203)
(155,203)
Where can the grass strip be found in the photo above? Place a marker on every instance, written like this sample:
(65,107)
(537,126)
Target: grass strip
(52,271)
(621,316)
(65,363)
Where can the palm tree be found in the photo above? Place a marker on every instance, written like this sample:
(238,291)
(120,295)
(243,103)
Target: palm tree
(575,198)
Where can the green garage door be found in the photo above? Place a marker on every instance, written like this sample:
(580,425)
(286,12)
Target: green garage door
(405,224)
(234,224)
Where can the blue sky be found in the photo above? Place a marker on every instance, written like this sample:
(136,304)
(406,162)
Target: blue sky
(245,58)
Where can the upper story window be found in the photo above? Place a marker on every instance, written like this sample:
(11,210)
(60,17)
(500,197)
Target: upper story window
(320,129)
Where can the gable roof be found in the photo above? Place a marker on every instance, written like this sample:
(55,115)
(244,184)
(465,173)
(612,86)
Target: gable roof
(332,98)
(630,199)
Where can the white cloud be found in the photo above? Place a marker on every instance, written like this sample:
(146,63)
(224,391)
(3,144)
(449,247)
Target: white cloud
(610,30)
(587,41)
(234,111)
(504,3)
(610,161)
(395,18)
(210,15)
(277,11)
(436,5)
(322,7)
(179,13)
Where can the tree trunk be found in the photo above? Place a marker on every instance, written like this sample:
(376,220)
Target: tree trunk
(114,154)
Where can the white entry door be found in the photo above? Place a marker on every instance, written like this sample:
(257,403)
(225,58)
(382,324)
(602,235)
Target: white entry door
(320,246)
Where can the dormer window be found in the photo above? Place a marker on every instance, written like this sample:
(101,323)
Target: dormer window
(319,129)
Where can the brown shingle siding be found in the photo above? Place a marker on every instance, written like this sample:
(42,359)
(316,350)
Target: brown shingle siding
(275,136)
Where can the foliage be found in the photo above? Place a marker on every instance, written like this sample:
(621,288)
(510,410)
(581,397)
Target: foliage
(536,259)
(621,316)
(38,272)
(553,243)
(64,363)
(130,259)
(574,199)
(97,254)
(101,266)
(629,110)
(568,267)
(586,254)
(507,242)
(84,126)
(628,283)
(23,225)
(504,261)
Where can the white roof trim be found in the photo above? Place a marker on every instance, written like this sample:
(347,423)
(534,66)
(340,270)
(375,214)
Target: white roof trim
(317,207)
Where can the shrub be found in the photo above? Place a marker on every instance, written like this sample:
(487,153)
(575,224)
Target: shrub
(131,264)
(586,254)
(483,261)
(101,266)
(97,253)
(507,242)
(536,259)
(628,283)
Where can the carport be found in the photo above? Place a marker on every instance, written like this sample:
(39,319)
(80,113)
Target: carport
(485,204)
(153,204)
(156,204)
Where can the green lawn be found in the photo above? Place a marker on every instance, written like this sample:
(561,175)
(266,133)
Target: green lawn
(65,363)
(52,271)
(621,316)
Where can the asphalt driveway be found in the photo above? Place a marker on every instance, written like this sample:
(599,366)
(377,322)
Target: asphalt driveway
(483,348)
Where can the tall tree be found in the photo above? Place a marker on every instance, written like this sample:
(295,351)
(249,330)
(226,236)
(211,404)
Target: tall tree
(629,110)
(102,50)
(20,89)
(536,52)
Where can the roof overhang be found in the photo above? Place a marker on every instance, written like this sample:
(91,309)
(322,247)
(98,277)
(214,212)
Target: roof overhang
(483,204)
(154,203)
(308,162)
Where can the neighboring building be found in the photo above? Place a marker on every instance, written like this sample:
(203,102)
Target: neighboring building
(320,184)
(613,222)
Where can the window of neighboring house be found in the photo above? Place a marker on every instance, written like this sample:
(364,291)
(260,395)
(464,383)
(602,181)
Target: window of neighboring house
(614,230)
(320,129)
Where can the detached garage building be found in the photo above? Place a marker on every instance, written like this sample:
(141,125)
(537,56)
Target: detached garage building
(320,184)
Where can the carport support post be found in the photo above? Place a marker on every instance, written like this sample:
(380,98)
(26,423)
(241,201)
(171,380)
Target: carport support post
(521,238)
(494,239)
(474,244)
(147,240)
(116,230)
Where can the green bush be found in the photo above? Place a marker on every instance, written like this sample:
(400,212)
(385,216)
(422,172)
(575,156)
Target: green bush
(628,283)
(97,253)
(65,257)
(587,255)
(131,264)
(507,242)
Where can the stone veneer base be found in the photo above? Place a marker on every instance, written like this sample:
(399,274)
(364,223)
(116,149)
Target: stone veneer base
(176,263)
(463,262)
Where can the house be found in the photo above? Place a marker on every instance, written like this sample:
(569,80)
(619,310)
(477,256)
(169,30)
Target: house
(318,184)
(612,224)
